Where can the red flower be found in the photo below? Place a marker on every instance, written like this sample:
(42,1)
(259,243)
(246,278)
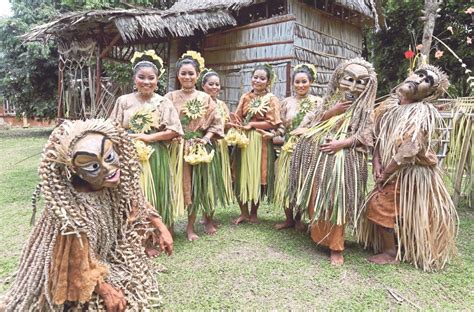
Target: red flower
(409,54)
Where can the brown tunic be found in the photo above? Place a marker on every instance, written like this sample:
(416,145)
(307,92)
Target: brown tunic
(382,208)
(272,116)
(165,114)
(210,122)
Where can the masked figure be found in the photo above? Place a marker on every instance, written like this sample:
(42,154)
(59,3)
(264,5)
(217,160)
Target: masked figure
(410,201)
(329,163)
(86,251)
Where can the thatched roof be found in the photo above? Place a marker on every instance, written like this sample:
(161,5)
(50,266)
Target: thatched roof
(364,7)
(133,24)
(183,19)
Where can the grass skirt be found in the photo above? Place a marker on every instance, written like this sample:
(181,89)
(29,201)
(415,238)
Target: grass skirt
(163,198)
(281,197)
(427,224)
(208,187)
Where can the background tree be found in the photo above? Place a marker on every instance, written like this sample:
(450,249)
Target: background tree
(386,49)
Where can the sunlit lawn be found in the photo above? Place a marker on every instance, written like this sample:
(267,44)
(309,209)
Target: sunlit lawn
(253,266)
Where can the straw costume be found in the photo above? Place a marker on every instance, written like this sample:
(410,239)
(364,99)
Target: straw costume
(292,111)
(85,239)
(254,156)
(331,183)
(199,117)
(157,114)
(221,156)
(411,201)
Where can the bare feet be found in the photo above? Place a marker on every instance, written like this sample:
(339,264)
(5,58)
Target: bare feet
(337,259)
(254,219)
(384,258)
(241,219)
(300,226)
(210,228)
(152,252)
(285,225)
(192,236)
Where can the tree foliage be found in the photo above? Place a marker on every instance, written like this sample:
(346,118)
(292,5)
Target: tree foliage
(405,29)
(28,72)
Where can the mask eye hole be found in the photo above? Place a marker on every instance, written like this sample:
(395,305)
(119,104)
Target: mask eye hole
(349,78)
(110,157)
(92,168)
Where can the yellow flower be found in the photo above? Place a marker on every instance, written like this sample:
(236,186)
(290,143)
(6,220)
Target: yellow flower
(237,138)
(198,154)
(195,56)
(260,105)
(144,151)
(193,109)
(136,56)
(310,66)
(141,121)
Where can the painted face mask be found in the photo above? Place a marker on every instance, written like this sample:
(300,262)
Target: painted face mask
(354,81)
(419,85)
(96,162)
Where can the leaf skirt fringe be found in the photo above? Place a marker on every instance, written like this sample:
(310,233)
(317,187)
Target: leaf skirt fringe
(162,195)
(427,225)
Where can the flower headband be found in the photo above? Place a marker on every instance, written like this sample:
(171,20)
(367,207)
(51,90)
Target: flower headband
(203,74)
(148,57)
(309,67)
(195,56)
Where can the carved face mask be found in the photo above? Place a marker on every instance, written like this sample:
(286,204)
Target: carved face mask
(354,81)
(419,85)
(96,162)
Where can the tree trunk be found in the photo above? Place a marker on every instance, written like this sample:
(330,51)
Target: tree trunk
(430,11)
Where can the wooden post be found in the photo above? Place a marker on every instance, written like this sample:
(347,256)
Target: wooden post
(60,113)
(288,79)
(98,74)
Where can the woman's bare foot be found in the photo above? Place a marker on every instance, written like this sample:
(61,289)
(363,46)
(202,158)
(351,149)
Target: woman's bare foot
(285,225)
(192,236)
(254,219)
(152,252)
(384,258)
(210,228)
(300,226)
(337,259)
(241,219)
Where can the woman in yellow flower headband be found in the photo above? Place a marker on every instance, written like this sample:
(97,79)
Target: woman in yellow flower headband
(209,82)
(258,110)
(152,119)
(202,123)
(293,109)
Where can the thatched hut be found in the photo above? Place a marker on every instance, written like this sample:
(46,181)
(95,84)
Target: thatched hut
(233,36)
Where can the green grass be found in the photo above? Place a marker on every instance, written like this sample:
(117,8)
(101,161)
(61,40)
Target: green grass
(253,266)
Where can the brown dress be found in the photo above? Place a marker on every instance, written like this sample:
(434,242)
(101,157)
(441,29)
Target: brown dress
(272,116)
(211,121)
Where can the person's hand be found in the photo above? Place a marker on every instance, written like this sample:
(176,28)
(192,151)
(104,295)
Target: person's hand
(139,136)
(377,167)
(166,241)
(265,134)
(340,108)
(278,140)
(331,146)
(233,125)
(247,126)
(299,131)
(114,299)
(202,140)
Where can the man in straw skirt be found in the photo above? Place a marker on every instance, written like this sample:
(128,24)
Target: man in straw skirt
(329,163)
(86,251)
(410,201)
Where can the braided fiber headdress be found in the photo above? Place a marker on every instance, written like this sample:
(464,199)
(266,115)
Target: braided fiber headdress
(101,220)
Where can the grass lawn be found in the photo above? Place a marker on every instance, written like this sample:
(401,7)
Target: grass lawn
(252,266)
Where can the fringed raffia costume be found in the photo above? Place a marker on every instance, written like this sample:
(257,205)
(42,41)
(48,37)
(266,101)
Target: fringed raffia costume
(198,116)
(332,186)
(160,191)
(222,157)
(415,201)
(254,164)
(292,112)
(85,238)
